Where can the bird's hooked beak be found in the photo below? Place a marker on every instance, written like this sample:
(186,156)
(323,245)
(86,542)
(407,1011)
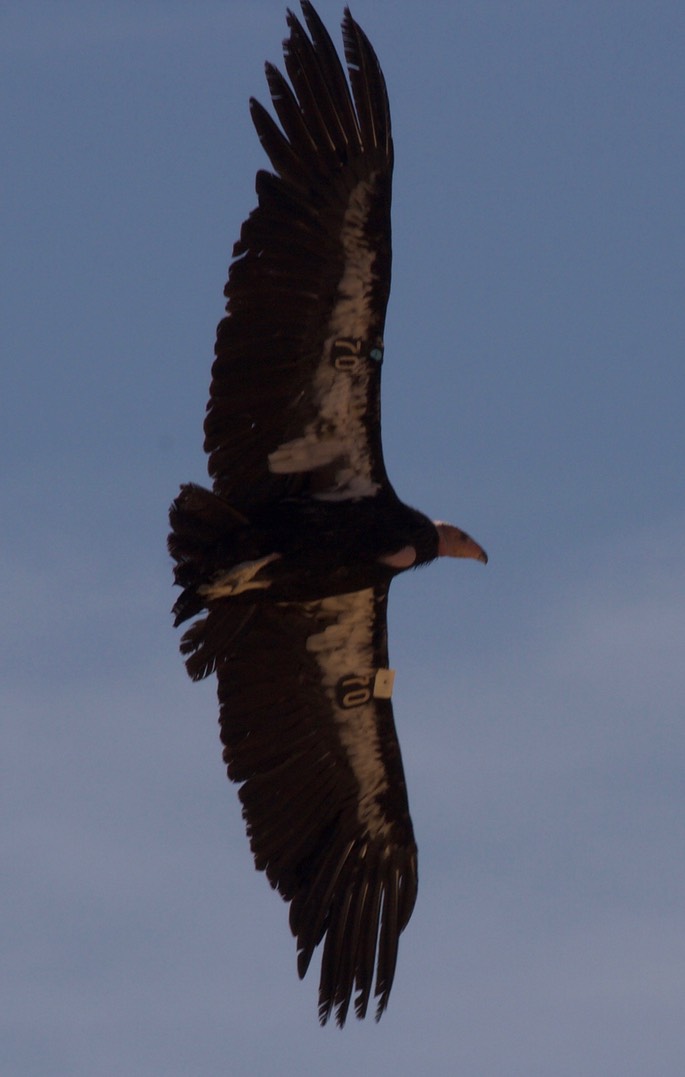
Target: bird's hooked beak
(453,542)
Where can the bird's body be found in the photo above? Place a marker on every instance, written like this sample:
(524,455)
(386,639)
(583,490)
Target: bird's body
(322,547)
(290,556)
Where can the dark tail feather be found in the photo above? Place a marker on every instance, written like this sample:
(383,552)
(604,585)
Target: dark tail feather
(204,528)
(201,527)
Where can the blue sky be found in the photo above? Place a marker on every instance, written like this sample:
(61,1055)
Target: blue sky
(534,386)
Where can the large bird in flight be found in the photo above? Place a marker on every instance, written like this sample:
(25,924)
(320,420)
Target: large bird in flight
(290,557)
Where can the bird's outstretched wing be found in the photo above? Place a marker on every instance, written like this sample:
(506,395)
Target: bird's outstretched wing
(295,396)
(307,726)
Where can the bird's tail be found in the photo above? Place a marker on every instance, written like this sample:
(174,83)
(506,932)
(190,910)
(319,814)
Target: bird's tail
(205,530)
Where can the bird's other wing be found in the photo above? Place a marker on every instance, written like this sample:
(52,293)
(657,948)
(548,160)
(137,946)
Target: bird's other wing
(308,729)
(294,403)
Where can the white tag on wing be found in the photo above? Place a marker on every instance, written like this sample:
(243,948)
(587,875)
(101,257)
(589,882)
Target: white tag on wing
(382,685)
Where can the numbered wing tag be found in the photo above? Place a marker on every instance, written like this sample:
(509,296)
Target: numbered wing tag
(383,682)
(356,689)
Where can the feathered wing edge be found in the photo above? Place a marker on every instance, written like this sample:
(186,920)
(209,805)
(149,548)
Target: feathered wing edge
(321,780)
(295,250)
(324,126)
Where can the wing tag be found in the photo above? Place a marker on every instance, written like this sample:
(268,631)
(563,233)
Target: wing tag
(355,689)
(345,354)
(382,685)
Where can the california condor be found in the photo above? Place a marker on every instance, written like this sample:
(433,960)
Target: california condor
(290,557)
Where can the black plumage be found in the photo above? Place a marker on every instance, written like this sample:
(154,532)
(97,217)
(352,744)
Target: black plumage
(290,556)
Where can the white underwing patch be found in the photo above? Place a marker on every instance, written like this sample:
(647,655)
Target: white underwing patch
(338,436)
(343,649)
